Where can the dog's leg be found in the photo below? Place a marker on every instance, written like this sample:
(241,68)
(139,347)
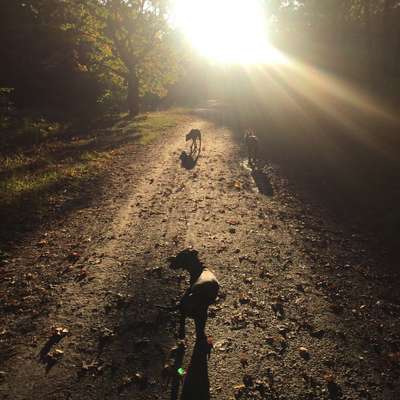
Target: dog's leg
(200,324)
(254,155)
(202,340)
(184,308)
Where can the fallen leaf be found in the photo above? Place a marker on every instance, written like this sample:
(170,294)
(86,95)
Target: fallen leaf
(58,331)
(329,377)
(304,353)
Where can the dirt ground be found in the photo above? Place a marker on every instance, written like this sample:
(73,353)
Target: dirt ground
(306,309)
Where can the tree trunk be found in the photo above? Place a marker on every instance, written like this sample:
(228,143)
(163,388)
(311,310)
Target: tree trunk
(368,28)
(133,94)
(387,45)
(368,39)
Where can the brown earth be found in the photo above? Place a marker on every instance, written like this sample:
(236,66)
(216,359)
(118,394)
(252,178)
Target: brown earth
(305,311)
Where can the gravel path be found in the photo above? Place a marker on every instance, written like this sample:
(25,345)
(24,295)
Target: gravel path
(302,312)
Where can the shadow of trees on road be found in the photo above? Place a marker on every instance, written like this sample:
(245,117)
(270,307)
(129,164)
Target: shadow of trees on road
(56,175)
(351,174)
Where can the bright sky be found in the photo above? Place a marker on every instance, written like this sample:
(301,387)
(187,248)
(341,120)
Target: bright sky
(226,31)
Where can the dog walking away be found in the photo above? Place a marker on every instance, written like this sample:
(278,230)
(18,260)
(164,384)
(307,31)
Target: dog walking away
(195,136)
(251,142)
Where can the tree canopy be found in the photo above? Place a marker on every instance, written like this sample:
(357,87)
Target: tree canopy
(77,57)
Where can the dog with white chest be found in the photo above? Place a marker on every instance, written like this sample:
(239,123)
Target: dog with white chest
(202,292)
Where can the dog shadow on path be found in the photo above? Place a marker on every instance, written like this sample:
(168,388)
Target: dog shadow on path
(189,161)
(177,364)
(195,381)
(262,182)
(196,385)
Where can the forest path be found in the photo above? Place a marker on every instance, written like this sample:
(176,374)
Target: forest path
(300,313)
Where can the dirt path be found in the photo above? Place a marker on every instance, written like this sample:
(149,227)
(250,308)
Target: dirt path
(302,313)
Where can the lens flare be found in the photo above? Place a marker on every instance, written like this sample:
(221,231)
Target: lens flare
(227,31)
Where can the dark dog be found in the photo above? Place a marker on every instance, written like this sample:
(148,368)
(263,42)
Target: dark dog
(202,292)
(195,136)
(251,142)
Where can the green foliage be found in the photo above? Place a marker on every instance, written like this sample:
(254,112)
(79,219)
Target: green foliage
(79,58)
(73,57)
(143,47)
(148,127)
(43,64)
(361,36)
(56,159)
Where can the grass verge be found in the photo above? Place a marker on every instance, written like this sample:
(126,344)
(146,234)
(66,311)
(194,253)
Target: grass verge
(39,159)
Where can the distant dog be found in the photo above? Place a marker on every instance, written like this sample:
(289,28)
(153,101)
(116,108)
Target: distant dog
(251,142)
(195,136)
(202,292)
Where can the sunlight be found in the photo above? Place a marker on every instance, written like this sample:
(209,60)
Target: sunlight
(227,31)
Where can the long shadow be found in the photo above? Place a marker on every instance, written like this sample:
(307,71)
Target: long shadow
(196,385)
(189,161)
(262,182)
(144,336)
(177,377)
(335,176)
(44,354)
(17,138)
(67,155)
(131,361)
(29,210)
(346,172)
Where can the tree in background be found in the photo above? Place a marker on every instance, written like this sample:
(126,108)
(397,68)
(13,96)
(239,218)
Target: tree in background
(78,57)
(45,59)
(74,55)
(143,47)
(363,31)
